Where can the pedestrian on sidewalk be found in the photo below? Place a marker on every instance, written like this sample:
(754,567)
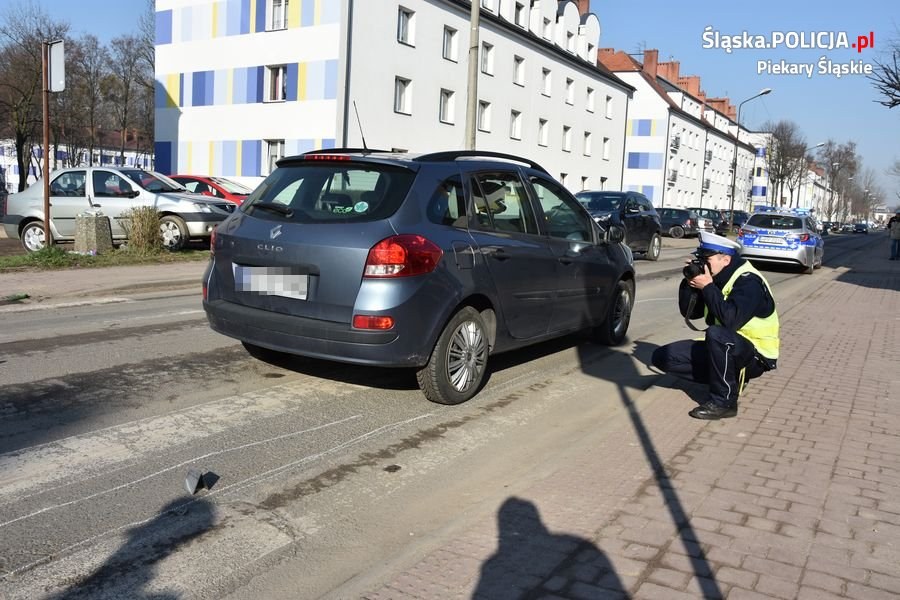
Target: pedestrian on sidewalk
(894,228)
(741,340)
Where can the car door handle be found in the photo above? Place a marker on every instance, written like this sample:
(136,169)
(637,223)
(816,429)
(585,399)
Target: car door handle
(498,253)
(565,260)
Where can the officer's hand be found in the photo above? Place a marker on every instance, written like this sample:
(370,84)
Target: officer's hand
(702,280)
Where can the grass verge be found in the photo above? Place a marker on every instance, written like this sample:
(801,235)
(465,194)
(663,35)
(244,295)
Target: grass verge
(58,257)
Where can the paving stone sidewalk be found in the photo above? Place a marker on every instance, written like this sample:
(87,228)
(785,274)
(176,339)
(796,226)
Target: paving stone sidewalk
(798,497)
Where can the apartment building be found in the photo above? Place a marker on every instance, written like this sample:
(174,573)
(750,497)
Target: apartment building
(242,83)
(680,147)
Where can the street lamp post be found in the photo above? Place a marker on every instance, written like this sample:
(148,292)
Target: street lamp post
(737,142)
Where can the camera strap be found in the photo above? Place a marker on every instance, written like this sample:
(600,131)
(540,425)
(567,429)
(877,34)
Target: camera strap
(692,302)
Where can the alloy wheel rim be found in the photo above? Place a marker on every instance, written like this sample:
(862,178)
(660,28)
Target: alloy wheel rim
(34,238)
(466,356)
(170,234)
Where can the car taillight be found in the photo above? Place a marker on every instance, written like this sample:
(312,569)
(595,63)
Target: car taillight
(402,256)
(740,232)
(326,157)
(372,322)
(212,242)
(804,237)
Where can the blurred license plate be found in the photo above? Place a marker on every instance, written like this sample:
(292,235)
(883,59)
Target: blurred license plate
(772,241)
(270,281)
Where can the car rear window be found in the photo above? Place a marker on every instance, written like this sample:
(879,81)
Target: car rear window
(764,221)
(327,193)
(608,202)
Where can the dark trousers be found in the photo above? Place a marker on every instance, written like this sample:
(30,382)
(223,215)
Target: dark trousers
(716,360)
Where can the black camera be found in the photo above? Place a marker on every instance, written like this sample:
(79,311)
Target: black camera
(694,268)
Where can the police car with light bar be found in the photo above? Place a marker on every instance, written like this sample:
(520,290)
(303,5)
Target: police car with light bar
(786,236)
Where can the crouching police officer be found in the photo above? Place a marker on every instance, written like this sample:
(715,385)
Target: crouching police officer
(741,340)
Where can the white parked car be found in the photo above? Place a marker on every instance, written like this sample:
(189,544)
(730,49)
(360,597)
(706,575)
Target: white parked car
(113,192)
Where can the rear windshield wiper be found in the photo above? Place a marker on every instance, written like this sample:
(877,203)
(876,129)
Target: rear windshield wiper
(275,207)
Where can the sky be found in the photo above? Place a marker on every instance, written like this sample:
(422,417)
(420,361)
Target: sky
(823,105)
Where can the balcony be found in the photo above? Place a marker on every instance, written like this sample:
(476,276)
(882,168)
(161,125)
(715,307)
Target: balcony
(705,185)
(675,143)
(673,177)
(708,156)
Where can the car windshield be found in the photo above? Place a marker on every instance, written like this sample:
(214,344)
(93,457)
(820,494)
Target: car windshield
(152,181)
(232,187)
(595,202)
(768,221)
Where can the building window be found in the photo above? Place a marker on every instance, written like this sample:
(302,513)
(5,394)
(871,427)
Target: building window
(542,132)
(585,183)
(545,81)
(587,143)
(276,86)
(278,11)
(274,152)
(402,96)
(515,125)
(484,115)
(447,108)
(570,42)
(567,138)
(487,58)
(564,179)
(606,148)
(519,15)
(570,91)
(406,26)
(450,43)
(488,5)
(591,52)
(590,99)
(609,107)
(518,70)
(547,31)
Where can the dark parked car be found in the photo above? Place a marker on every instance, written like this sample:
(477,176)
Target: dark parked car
(679,222)
(631,210)
(719,225)
(432,261)
(861,228)
(740,217)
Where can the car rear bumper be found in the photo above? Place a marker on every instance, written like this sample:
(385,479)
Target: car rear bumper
(312,337)
(804,255)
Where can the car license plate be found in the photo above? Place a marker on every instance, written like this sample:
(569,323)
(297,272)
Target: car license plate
(772,241)
(270,281)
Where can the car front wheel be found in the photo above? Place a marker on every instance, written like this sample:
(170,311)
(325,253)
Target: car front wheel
(456,368)
(174,232)
(677,232)
(32,236)
(654,248)
(618,315)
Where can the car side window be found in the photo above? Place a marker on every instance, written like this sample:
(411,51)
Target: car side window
(645,204)
(501,203)
(69,184)
(109,185)
(632,205)
(564,217)
(447,205)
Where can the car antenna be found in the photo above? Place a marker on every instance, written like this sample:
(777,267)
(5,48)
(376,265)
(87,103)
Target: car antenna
(358,122)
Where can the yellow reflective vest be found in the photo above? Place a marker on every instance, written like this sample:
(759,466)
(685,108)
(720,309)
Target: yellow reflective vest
(761,331)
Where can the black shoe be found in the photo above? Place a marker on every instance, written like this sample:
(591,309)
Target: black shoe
(711,412)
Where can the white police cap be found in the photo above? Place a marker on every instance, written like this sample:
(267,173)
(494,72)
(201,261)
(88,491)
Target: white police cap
(710,243)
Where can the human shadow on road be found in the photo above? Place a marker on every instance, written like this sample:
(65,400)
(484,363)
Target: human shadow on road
(529,558)
(623,373)
(131,570)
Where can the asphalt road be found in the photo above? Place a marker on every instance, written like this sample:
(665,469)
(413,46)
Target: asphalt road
(319,473)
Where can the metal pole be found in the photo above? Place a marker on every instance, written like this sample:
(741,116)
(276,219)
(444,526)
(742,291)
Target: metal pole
(737,142)
(472,84)
(45,101)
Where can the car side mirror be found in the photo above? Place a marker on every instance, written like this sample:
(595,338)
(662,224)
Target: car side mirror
(133,194)
(615,234)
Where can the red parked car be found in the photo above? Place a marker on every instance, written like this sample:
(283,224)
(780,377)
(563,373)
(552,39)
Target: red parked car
(217,187)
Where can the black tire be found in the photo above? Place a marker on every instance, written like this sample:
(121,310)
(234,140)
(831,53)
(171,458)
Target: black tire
(32,236)
(618,315)
(677,232)
(460,355)
(174,232)
(654,248)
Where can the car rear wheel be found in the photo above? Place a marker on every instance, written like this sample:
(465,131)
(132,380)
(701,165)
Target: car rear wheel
(174,232)
(654,248)
(456,368)
(618,315)
(32,236)
(677,232)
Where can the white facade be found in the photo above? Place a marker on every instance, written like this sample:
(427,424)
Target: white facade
(233,95)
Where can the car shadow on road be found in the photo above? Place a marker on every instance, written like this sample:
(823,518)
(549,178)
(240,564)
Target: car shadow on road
(528,554)
(131,570)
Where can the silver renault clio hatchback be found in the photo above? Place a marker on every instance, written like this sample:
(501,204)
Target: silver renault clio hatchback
(433,261)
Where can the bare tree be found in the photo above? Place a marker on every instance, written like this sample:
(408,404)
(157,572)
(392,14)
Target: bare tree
(122,84)
(92,64)
(785,142)
(840,163)
(886,76)
(797,163)
(23,28)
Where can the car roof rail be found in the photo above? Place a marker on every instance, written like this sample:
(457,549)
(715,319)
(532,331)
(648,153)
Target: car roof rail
(345,151)
(457,154)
